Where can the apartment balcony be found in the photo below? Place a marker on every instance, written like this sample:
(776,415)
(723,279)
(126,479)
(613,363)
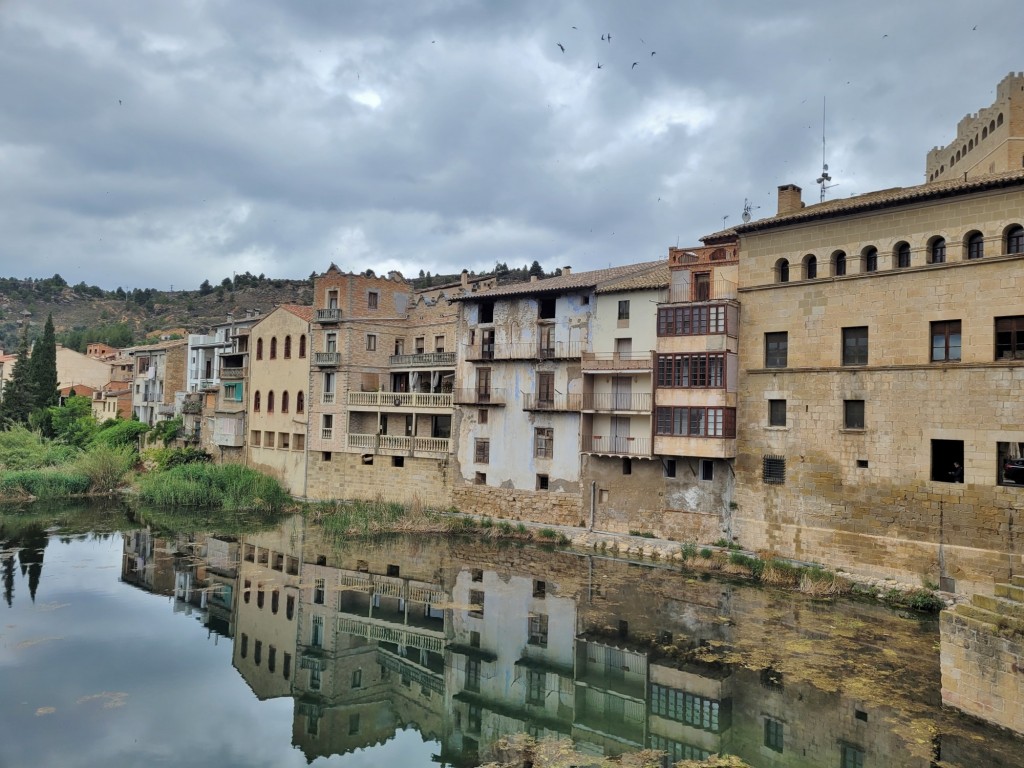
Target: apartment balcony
(208,384)
(718,289)
(232,374)
(545,402)
(391,586)
(471,396)
(704,447)
(606,445)
(559,350)
(422,360)
(400,399)
(404,444)
(601,362)
(327,359)
(617,402)
(329,315)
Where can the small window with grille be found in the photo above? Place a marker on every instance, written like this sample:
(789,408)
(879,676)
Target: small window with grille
(773,469)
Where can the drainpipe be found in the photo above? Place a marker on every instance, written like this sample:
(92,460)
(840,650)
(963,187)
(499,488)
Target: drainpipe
(593,502)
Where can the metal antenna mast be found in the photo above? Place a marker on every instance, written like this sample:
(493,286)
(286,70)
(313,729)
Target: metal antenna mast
(824,179)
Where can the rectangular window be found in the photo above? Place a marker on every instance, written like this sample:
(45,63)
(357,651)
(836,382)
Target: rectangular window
(284,440)
(1010,469)
(773,734)
(773,470)
(371,342)
(691,321)
(481,450)
(542,482)
(776,349)
(331,342)
(695,421)
(480,478)
(546,309)
(357,678)
(669,467)
(855,345)
(439,343)
(948,461)
(543,442)
(701,286)
(545,387)
(371,299)
(268,439)
(850,756)
(419,345)
(316,635)
(853,414)
(483,385)
(256,438)
(624,309)
(776,413)
(298,441)
(683,707)
(707,469)
(476,599)
(319,591)
(691,371)
(535,687)
(353,722)
(286,669)
(486,312)
(945,340)
(481,416)
(538,630)
(1010,338)
(473,675)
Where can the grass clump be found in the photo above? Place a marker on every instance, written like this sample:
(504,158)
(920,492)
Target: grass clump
(106,466)
(227,486)
(642,534)
(547,533)
(688,551)
(44,483)
(706,553)
(924,600)
(21,448)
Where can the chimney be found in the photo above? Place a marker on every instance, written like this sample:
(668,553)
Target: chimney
(533,278)
(566,271)
(789,199)
(464,278)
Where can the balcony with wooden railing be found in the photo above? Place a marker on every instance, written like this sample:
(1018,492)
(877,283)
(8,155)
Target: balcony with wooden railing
(608,445)
(617,402)
(401,443)
(327,359)
(717,289)
(233,373)
(328,315)
(526,350)
(614,361)
(533,401)
(423,360)
(400,399)
(477,396)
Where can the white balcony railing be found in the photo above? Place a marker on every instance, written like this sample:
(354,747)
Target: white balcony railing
(326,433)
(422,359)
(617,401)
(327,358)
(617,446)
(401,399)
(327,398)
(399,443)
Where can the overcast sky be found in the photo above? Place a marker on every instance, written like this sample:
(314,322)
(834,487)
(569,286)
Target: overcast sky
(158,144)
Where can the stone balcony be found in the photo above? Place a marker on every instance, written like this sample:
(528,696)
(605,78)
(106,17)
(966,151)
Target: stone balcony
(400,399)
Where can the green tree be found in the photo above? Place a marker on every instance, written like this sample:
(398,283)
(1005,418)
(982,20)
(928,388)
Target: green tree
(19,396)
(71,423)
(536,270)
(44,368)
(205,288)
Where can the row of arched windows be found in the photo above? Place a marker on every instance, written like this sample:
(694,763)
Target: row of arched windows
(300,402)
(287,347)
(973,247)
(971,144)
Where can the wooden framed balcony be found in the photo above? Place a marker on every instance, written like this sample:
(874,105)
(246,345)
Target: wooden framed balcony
(533,401)
(234,373)
(475,396)
(617,402)
(378,400)
(422,360)
(594,362)
(527,350)
(608,445)
(718,289)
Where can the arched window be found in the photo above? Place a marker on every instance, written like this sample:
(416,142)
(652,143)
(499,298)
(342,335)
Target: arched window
(273,347)
(1015,239)
(984,132)
(256,401)
(991,126)
(302,345)
(259,348)
(275,601)
(903,255)
(999,119)
(284,401)
(287,347)
(270,401)
(810,266)
(937,251)
(782,271)
(975,245)
(300,402)
(839,263)
(870,259)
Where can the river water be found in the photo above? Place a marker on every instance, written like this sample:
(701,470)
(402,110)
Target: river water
(149,641)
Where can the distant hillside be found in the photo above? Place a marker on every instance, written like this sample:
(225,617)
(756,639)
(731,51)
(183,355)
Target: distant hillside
(86,313)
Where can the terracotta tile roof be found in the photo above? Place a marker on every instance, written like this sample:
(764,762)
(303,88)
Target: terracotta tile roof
(658,277)
(301,311)
(564,283)
(884,198)
(169,344)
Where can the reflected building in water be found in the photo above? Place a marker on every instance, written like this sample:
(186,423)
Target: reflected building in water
(470,642)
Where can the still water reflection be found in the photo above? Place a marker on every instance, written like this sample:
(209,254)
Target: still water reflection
(282,647)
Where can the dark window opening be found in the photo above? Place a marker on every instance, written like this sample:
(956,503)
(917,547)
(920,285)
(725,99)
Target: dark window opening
(773,730)
(862,463)
(480,478)
(1015,239)
(976,246)
(903,255)
(398,461)
(776,349)
(542,482)
(811,267)
(839,264)
(853,414)
(937,251)
(776,413)
(1010,469)
(627,466)
(871,260)
(948,461)
(486,312)
(669,466)
(546,309)
(540,589)
(624,309)
(1010,338)
(394,570)
(707,469)
(773,470)
(861,715)
(855,346)
(783,271)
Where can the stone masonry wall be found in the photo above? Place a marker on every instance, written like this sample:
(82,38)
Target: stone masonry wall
(345,476)
(544,507)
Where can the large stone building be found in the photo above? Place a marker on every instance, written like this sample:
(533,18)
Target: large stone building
(881,371)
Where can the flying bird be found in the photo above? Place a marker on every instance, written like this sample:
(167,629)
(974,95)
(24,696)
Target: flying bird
(974,28)
(576,28)
(119,102)
(599,65)
(562,47)
(634,64)
(609,37)
(653,52)
(602,37)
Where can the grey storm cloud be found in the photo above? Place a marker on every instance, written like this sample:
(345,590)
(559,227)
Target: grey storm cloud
(146,145)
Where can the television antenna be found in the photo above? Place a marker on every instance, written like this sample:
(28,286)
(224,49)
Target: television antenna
(748,206)
(824,179)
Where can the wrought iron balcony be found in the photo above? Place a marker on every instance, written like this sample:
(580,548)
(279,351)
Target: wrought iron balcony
(617,401)
(617,446)
(526,350)
(718,289)
(613,361)
(533,401)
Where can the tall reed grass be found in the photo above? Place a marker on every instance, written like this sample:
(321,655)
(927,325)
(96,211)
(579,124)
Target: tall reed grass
(224,486)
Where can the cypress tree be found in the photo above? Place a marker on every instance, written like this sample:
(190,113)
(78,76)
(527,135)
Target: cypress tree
(44,368)
(19,394)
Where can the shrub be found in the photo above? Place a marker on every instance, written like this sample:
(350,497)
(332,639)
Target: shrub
(706,553)
(505,527)
(688,551)
(106,466)
(21,448)
(44,483)
(120,432)
(547,533)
